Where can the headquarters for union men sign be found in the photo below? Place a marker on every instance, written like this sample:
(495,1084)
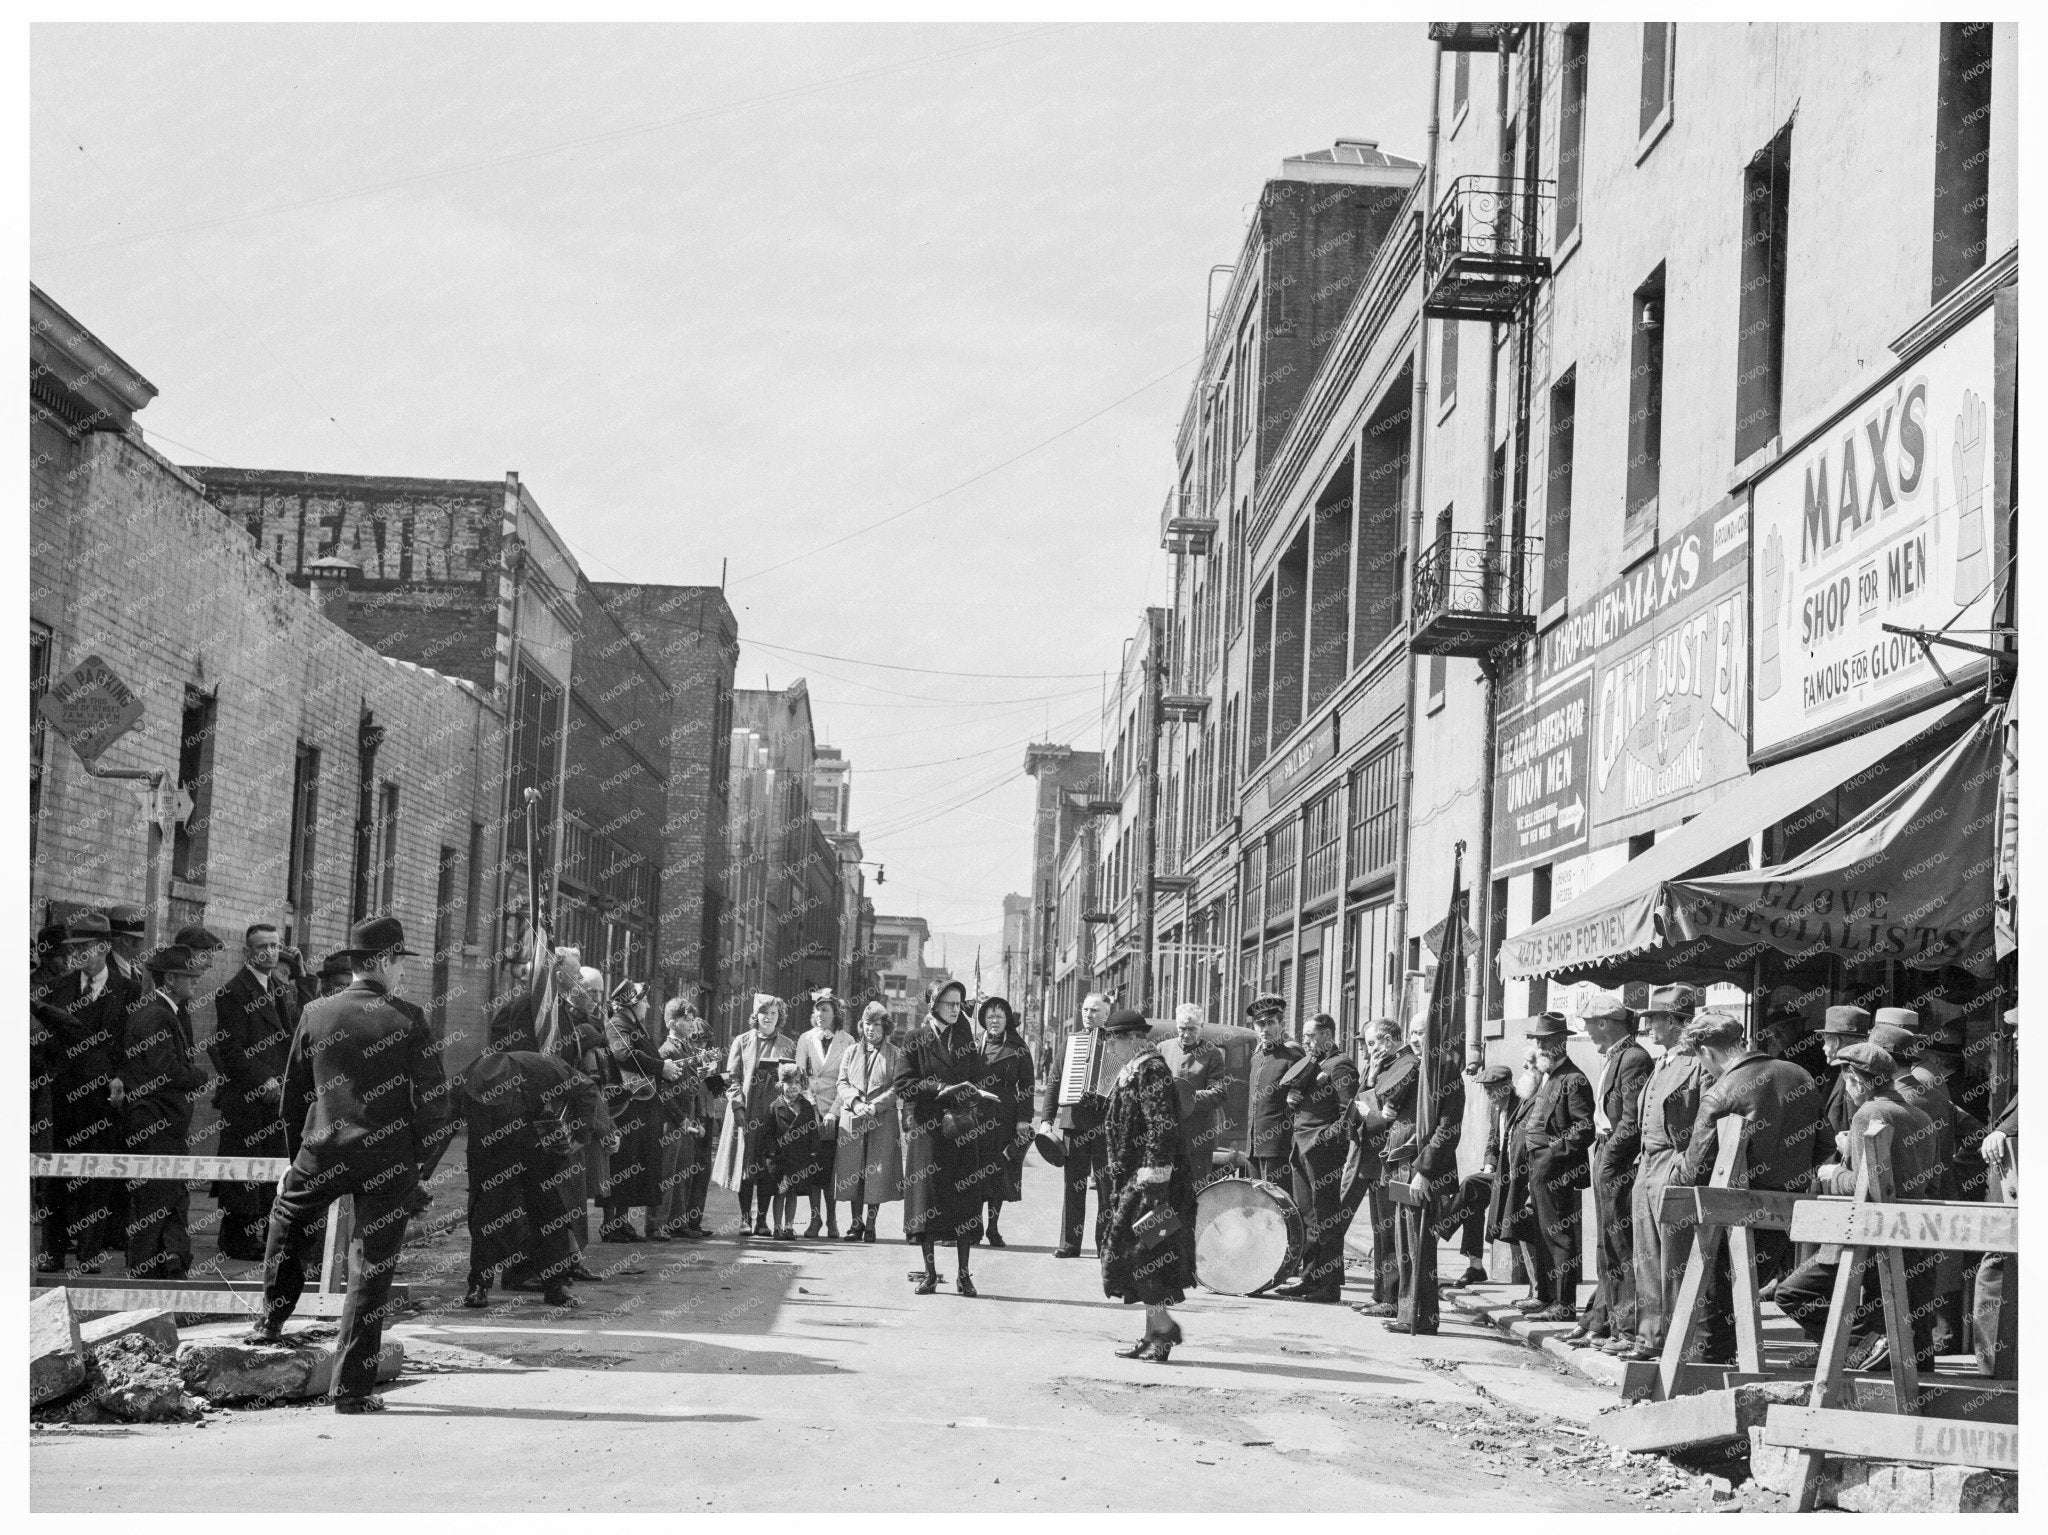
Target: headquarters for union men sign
(1885,516)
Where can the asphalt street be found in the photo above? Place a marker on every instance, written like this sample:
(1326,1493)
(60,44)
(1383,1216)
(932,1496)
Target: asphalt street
(735,1375)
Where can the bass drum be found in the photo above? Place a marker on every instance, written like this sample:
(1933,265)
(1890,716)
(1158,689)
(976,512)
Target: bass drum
(1248,1236)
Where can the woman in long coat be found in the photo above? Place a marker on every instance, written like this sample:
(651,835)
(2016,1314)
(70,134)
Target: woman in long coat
(746,1144)
(945,1145)
(685,1121)
(1008,1076)
(869,1171)
(1146,1172)
(820,1052)
(633,1175)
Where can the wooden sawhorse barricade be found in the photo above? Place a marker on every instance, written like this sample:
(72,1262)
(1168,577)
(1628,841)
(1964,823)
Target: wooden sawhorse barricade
(1871,1227)
(218,1296)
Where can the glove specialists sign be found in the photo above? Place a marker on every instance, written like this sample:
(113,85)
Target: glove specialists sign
(1636,708)
(1883,517)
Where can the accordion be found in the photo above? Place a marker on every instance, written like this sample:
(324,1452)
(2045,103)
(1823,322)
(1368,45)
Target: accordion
(1093,1060)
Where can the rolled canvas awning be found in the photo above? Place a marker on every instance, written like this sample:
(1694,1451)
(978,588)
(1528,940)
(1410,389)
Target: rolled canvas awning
(1629,926)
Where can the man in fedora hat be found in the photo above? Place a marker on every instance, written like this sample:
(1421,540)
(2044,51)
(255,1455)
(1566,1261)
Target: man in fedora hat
(1617,1144)
(129,925)
(1670,1104)
(159,1074)
(365,1105)
(1558,1136)
(85,1015)
(1841,1026)
(335,973)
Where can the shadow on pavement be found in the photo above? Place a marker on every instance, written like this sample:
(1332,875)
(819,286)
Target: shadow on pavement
(1296,1372)
(539,1414)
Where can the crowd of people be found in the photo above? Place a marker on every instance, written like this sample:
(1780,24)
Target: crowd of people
(581,1097)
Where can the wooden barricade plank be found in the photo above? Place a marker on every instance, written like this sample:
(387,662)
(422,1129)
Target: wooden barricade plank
(1946,1227)
(194,1299)
(1730,1177)
(1757,1209)
(1894,1436)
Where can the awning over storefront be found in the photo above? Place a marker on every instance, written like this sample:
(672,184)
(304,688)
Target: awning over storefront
(1627,927)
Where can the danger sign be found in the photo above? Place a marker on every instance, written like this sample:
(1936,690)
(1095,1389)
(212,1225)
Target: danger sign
(92,708)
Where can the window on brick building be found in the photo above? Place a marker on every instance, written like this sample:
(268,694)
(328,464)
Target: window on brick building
(1962,154)
(298,878)
(195,777)
(387,847)
(1447,363)
(1375,804)
(444,935)
(1571,131)
(1557,498)
(1461,86)
(1645,416)
(1760,310)
(473,896)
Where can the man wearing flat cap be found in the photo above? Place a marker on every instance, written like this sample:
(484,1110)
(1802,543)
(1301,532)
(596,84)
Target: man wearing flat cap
(1782,1107)
(85,1015)
(159,1073)
(366,1105)
(1806,1295)
(1272,1128)
(1617,1143)
(1670,1105)
(1558,1135)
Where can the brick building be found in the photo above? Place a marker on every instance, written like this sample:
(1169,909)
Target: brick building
(325,781)
(899,962)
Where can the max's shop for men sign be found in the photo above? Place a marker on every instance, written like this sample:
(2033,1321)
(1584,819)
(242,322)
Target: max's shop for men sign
(1884,517)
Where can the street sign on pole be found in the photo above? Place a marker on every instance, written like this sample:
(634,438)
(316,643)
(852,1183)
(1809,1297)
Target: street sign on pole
(92,708)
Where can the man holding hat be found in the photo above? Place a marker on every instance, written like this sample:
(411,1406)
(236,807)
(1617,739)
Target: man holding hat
(1617,1143)
(1388,1082)
(158,1076)
(1670,1104)
(86,1016)
(1558,1135)
(365,1105)
(1272,1128)
(1806,1295)
(1082,1129)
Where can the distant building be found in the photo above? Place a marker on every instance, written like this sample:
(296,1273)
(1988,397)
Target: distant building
(899,963)
(832,789)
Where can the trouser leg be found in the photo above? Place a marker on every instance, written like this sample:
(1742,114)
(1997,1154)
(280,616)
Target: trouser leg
(300,1202)
(700,1182)
(1418,1303)
(1557,1223)
(1386,1267)
(1657,1254)
(373,1247)
(1806,1294)
(1315,1172)
(158,1228)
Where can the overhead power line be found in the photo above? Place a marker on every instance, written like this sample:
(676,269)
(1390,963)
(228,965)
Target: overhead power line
(929,671)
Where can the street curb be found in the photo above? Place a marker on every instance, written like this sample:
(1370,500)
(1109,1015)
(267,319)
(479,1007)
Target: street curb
(1479,1305)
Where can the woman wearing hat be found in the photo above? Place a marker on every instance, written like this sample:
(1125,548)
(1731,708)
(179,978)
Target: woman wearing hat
(945,1148)
(1007,1075)
(868,1172)
(633,1172)
(1146,1231)
(746,1144)
(820,1052)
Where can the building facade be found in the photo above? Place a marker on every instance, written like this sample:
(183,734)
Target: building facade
(898,949)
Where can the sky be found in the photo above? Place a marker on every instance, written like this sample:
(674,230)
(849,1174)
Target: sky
(891,325)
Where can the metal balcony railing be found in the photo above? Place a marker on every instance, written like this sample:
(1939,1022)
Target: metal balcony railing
(1472,594)
(1483,253)
(1182,530)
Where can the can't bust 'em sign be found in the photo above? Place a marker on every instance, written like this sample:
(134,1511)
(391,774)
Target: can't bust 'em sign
(92,708)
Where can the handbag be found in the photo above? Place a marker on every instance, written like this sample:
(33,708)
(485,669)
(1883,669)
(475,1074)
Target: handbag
(1161,1223)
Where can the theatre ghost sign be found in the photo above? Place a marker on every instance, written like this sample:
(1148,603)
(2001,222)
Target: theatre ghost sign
(1634,705)
(1886,516)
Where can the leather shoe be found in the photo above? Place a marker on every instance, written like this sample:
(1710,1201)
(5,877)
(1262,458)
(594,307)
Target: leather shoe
(1583,1336)
(854,1233)
(812,1229)
(965,1285)
(927,1284)
(559,1297)
(359,1404)
(476,1297)
(1528,1303)
(1472,1276)
(1378,1308)
(868,1235)
(1642,1353)
(581,1271)
(995,1238)
(1555,1314)
(263,1332)
(1066,1252)
(1618,1346)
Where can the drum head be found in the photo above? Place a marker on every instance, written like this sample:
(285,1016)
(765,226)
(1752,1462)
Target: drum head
(1247,1236)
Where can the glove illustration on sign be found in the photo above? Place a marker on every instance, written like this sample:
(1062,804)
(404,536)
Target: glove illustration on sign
(1973,551)
(1770,599)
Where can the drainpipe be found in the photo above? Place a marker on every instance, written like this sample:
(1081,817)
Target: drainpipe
(1418,416)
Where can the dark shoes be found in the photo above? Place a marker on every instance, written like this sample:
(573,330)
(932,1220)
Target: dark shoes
(1585,1335)
(1303,1292)
(965,1285)
(49,1263)
(786,1234)
(1555,1314)
(1066,1252)
(928,1284)
(867,1234)
(1472,1276)
(476,1297)
(812,1229)
(1154,1346)
(1378,1308)
(853,1233)
(761,1226)
(581,1271)
(558,1295)
(1619,1347)
(995,1238)
(263,1333)
(659,1235)
(620,1233)
(355,1404)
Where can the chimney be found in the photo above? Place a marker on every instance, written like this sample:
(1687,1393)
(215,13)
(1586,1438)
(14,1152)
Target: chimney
(330,580)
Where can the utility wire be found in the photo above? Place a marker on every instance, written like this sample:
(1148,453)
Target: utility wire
(929,671)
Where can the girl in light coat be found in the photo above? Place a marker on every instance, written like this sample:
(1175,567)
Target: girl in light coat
(869,1170)
(819,1054)
(746,1143)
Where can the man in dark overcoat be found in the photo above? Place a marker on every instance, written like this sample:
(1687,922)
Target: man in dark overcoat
(85,1015)
(1617,1144)
(1387,1081)
(1272,1128)
(366,1107)
(159,1073)
(254,1016)
(1200,1082)
(1558,1135)
(1319,1089)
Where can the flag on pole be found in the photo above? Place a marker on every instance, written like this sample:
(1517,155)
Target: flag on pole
(1444,1042)
(540,979)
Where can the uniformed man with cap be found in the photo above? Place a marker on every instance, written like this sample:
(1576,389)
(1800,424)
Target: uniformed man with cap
(1617,1144)
(1558,1135)
(1272,1122)
(366,1105)
(1806,1295)
(1670,1104)
(159,1073)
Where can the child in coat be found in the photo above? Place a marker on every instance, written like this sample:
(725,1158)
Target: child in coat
(797,1162)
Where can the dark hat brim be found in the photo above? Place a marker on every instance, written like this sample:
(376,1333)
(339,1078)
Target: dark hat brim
(1052,1148)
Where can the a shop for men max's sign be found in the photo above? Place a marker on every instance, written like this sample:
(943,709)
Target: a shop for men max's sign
(1883,517)
(1634,705)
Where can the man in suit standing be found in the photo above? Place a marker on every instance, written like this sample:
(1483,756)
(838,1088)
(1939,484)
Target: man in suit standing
(365,1106)
(1081,1127)
(1272,1128)
(129,926)
(254,1016)
(1319,1089)
(86,1017)
(1390,1077)
(1617,1142)
(1558,1134)
(158,1076)
(1198,1080)
(1671,1102)
(1783,1108)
